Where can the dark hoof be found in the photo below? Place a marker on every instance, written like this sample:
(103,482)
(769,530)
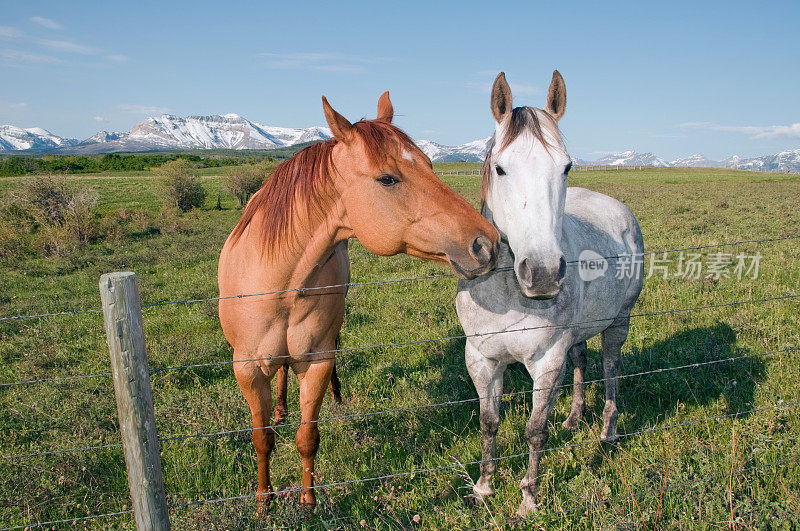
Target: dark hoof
(471,501)
(264,499)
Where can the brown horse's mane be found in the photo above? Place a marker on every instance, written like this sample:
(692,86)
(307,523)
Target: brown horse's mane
(304,178)
(522,119)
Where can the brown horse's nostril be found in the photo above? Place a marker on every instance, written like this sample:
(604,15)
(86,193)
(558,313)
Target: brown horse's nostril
(481,249)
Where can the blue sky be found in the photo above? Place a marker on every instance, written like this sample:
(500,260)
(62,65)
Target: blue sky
(674,78)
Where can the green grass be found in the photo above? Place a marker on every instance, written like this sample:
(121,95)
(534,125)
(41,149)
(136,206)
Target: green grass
(676,208)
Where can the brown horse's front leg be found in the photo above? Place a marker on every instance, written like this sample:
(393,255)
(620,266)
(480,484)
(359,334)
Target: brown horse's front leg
(281,409)
(255,386)
(314,380)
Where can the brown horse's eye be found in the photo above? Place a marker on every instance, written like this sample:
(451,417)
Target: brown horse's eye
(499,170)
(388,180)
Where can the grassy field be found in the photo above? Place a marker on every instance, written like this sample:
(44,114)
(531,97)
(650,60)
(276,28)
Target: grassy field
(176,259)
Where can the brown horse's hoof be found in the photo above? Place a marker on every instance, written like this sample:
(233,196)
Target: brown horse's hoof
(264,499)
(280,415)
(308,500)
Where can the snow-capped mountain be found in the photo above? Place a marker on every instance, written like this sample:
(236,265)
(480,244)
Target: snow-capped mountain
(15,139)
(474,151)
(630,158)
(101,137)
(785,161)
(166,132)
(694,161)
(231,131)
(228,131)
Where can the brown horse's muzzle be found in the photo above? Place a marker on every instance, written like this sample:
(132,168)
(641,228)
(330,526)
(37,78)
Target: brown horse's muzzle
(480,258)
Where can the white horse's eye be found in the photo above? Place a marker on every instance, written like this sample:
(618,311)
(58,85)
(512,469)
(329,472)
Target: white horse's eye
(499,170)
(567,168)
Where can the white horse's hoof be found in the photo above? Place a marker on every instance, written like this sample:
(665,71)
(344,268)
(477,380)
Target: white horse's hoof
(527,508)
(610,439)
(481,493)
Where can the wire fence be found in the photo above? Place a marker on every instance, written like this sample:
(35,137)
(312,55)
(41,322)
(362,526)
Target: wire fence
(271,357)
(638,494)
(378,413)
(369,414)
(455,465)
(390,281)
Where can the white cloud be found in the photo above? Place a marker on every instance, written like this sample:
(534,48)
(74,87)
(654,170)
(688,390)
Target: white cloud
(46,23)
(7,32)
(117,58)
(68,46)
(13,105)
(142,109)
(18,57)
(754,131)
(326,62)
(99,119)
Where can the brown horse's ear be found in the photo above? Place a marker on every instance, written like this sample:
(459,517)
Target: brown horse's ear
(385,109)
(342,129)
(556,102)
(501,103)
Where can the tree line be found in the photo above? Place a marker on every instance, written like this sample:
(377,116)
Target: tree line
(50,164)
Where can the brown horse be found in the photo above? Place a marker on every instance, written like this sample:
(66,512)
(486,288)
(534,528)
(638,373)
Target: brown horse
(370,181)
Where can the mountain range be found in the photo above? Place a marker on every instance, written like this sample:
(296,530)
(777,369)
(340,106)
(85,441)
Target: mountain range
(785,161)
(231,131)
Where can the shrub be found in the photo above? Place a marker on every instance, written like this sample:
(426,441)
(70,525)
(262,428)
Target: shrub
(245,180)
(182,184)
(52,204)
(47,216)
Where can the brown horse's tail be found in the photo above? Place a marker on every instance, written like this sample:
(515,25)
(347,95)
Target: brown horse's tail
(336,385)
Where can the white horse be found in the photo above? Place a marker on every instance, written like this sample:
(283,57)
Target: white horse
(545,227)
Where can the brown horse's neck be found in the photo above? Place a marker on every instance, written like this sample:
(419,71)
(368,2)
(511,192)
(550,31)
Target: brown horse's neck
(312,239)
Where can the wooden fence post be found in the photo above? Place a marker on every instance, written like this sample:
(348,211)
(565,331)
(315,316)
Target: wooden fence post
(122,312)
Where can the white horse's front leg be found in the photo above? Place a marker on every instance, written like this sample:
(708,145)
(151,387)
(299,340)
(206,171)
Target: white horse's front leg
(487,376)
(547,374)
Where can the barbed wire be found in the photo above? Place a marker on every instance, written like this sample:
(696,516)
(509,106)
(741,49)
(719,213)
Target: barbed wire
(155,370)
(638,494)
(193,503)
(368,414)
(388,281)
(451,274)
(67,520)
(467,336)
(57,379)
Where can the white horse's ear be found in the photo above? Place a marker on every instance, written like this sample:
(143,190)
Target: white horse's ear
(385,108)
(501,103)
(342,129)
(556,102)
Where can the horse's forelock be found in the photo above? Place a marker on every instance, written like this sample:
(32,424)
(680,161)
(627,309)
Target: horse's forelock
(522,120)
